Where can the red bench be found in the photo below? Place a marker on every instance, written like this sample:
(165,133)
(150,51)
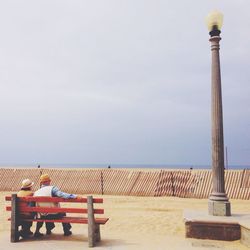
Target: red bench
(87,215)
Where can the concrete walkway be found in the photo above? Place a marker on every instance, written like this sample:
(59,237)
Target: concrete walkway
(79,242)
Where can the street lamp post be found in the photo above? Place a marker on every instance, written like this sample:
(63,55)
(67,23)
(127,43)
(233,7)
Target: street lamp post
(218,203)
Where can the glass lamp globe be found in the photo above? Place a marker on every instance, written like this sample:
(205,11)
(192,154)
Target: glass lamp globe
(214,20)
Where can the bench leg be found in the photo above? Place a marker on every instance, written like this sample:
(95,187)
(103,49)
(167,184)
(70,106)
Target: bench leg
(91,222)
(97,233)
(94,235)
(14,234)
(91,235)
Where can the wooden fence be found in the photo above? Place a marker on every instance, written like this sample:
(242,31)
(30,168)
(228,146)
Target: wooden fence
(180,183)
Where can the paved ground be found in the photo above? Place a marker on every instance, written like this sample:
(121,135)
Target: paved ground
(77,242)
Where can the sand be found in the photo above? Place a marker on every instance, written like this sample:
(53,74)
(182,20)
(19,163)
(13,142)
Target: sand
(135,223)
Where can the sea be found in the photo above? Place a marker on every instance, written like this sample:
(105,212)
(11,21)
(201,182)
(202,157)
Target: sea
(115,165)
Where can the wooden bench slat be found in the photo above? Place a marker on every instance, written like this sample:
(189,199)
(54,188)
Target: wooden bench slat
(55,199)
(71,220)
(56,210)
(79,220)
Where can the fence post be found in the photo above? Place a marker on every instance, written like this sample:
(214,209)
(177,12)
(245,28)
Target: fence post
(102,183)
(172,184)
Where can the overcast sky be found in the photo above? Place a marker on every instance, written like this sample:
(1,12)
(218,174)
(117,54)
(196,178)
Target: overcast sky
(112,81)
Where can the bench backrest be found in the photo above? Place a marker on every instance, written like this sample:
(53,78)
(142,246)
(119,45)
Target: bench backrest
(22,204)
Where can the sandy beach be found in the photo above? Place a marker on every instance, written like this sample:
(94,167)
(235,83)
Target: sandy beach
(135,223)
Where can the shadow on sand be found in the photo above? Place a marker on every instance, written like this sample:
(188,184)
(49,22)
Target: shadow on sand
(104,243)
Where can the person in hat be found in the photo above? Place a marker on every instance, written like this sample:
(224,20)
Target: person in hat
(26,191)
(46,189)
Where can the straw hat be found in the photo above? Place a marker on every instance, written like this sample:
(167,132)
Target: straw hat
(27,183)
(44,178)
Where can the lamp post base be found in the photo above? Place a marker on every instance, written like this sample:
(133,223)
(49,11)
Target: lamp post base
(219,208)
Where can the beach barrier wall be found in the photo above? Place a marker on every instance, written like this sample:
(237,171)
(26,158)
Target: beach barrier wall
(155,182)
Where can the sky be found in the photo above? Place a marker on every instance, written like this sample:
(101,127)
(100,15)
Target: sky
(120,82)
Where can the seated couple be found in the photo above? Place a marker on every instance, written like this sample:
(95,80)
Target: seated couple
(46,189)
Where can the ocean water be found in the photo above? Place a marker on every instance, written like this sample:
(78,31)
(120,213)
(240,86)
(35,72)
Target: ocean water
(153,166)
